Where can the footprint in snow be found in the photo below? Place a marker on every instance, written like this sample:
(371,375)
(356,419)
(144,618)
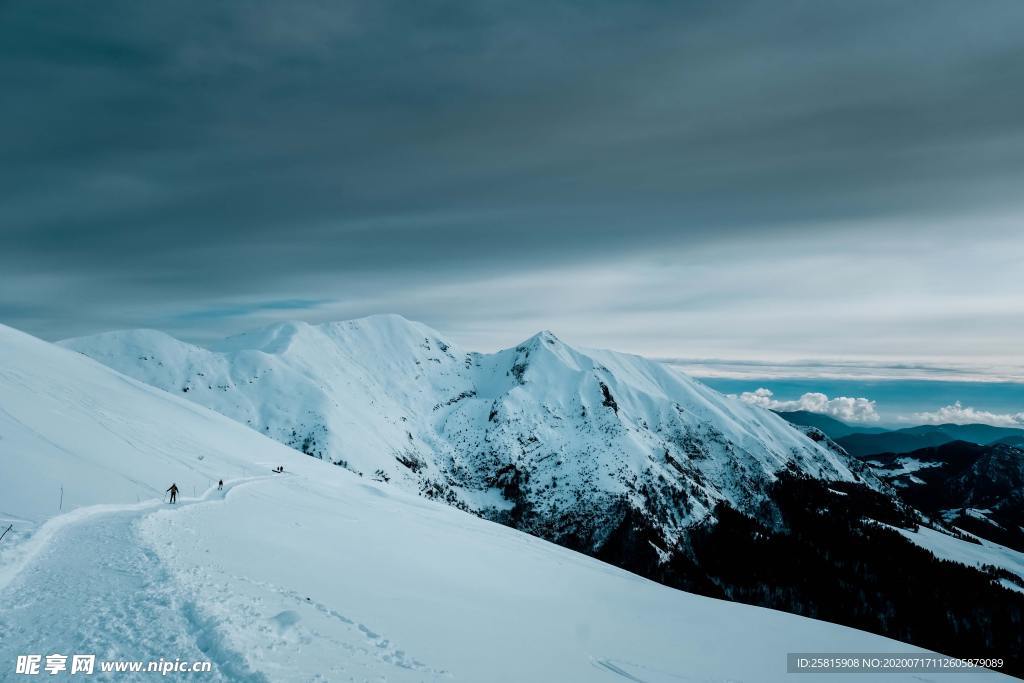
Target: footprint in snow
(284,622)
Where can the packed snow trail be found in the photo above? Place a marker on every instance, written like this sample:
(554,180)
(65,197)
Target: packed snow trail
(95,588)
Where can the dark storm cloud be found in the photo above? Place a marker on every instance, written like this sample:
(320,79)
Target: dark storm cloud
(174,164)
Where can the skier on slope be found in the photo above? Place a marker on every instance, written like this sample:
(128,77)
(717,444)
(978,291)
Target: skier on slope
(220,485)
(174,493)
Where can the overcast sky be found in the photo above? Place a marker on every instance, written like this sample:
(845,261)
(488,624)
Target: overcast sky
(772,180)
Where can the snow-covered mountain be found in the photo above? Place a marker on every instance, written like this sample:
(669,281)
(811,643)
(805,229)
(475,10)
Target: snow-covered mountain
(979,489)
(562,442)
(316,574)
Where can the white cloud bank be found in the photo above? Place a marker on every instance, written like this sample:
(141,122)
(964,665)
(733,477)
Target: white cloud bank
(841,407)
(959,414)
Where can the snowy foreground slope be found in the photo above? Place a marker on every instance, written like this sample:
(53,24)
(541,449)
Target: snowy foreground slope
(74,433)
(553,440)
(316,574)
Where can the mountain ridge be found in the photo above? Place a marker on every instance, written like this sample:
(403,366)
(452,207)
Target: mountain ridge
(551,438)
(862,441)
(831,426)
(910,439)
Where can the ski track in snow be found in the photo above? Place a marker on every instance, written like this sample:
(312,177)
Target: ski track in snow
(125,603)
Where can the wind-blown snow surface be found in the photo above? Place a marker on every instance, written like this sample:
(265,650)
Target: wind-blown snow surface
(549,434)
(316,574)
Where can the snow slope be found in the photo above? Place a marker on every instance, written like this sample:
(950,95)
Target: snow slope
(423,592)
(120,603)
(316,574)
(550,438)
(979,554)
(68,423)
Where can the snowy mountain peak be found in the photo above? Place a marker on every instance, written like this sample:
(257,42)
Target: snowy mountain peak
(142,340)
(542,354)
(543,337)
(389,330)
(548,437)
(276,338)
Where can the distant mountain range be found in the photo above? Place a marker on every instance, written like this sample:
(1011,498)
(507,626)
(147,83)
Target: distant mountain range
(968,477)
(972,487)
(832,427)
(863,441)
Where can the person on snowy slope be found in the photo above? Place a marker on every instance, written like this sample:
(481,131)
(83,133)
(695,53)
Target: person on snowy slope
(174,493)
